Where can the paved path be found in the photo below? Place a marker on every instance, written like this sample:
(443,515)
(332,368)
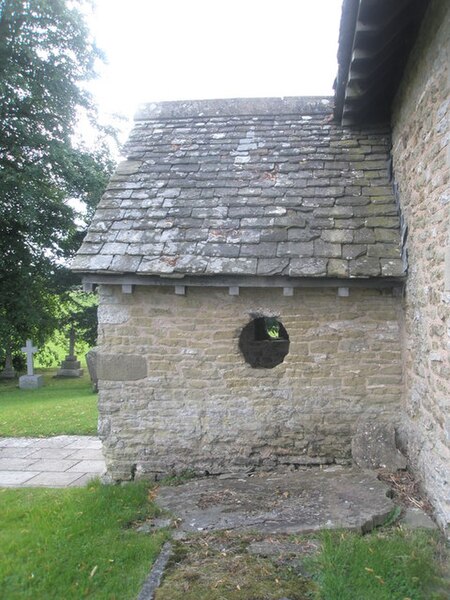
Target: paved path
(61,461)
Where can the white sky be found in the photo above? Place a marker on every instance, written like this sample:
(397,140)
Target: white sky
(194,49)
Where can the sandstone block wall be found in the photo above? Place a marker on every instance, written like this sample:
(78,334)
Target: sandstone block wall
(181,395)
(421,166)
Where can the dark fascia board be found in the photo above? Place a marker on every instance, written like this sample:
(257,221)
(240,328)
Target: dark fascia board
(221,281)
(375,35)
(349,16)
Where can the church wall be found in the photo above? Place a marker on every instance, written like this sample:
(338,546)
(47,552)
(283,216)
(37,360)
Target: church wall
(177,394)
(421,168)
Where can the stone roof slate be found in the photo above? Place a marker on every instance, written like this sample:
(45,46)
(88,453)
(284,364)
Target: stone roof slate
(247,187)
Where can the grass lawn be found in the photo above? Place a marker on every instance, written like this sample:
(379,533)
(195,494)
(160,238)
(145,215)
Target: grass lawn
(75,543)
(389,564)
(62,406)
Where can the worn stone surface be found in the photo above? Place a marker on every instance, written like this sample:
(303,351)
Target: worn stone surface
(91,362)
(8,373)
(124,367)
(201,406)
(31,382)
(298,502)
(70,368)
(223,186)
(421,159)
(373,447)
(152,582)
(416,518)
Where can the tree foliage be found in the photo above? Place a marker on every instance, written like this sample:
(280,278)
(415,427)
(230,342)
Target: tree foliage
(77,310)
(46,58)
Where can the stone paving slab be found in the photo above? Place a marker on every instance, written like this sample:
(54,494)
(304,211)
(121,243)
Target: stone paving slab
(84,454)
(92,443)
(51,453)
(88,466)
(52,465)
(302,501)
(15,452)
(15,478)
(53,479)
(58,461)
(81,481)
(15,464)
(16,442)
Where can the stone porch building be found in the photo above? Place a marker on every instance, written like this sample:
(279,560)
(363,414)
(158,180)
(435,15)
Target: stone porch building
(395,68)
(251,260)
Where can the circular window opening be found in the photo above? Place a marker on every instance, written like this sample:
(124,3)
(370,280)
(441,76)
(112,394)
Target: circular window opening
(264,342)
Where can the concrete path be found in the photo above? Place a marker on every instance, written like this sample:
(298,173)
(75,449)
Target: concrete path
(61,461)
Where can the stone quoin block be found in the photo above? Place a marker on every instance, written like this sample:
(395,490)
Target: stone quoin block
(126,367)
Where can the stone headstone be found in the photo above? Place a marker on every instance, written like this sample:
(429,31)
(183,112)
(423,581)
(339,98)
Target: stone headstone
(91,361)
(70,367)
(373,447)
(8,372)
(30,381)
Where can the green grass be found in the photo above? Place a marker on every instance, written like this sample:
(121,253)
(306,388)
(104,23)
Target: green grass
(390,564)
(75,543)
(62,406)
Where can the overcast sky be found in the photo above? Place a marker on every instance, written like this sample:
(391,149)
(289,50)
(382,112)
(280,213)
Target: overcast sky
(193,49)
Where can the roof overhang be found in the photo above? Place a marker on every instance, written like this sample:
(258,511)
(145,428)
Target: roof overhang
(234,282)
(375,39)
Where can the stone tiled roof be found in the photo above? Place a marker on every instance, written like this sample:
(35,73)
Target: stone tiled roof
(247,187)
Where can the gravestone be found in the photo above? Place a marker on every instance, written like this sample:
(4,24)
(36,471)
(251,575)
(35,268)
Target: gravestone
(8,372)
(91,361)
(30,381)
(70,367)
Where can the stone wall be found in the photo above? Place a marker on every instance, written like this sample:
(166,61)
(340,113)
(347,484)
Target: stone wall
(421,167)
(176,393)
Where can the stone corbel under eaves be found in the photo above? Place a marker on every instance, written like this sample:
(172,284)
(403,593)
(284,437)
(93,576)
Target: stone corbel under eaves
(287,285)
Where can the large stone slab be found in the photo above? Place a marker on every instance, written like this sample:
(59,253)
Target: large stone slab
(91,361)
(126,367)
(15,478)
(31,382)
(69,370)
(373,447)
(297,502)
(54,479)
(8,373)
(416,518)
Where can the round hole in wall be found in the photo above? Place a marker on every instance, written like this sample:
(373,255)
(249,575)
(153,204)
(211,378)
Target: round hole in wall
(264,342)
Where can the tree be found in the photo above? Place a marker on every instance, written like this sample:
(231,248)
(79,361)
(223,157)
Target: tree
(46,57)
(75,310)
